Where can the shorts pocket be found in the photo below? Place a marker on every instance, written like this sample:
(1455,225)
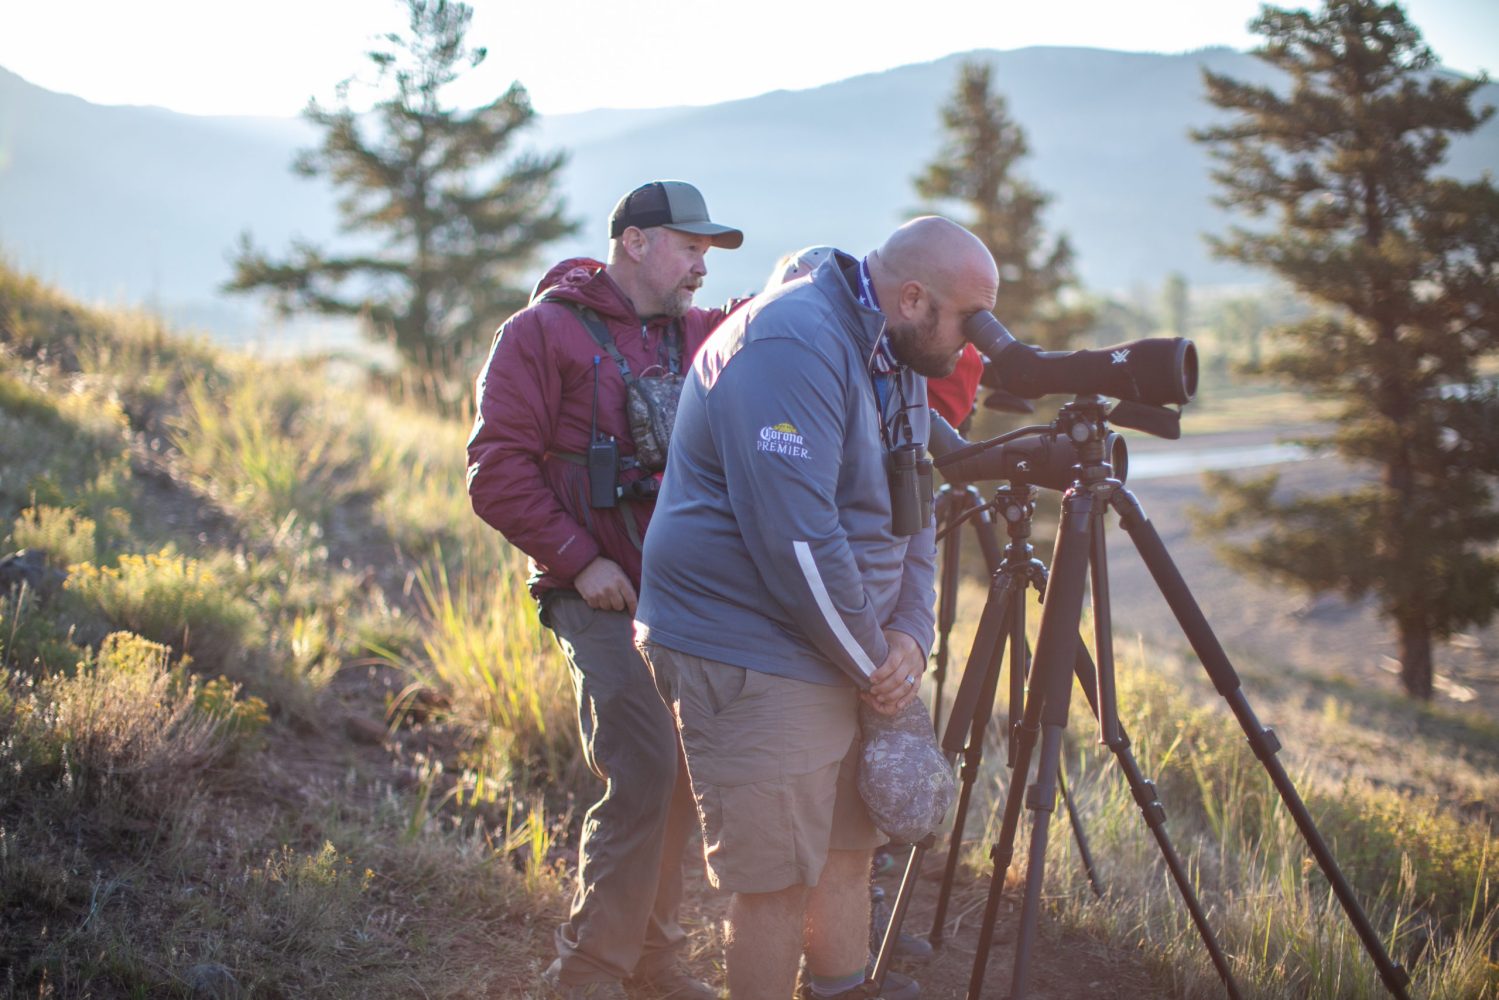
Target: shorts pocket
(751,840)
(723,684)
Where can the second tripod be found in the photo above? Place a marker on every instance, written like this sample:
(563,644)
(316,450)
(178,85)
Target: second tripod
(1001,626)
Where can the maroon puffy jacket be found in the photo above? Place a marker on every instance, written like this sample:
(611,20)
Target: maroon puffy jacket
(535,402)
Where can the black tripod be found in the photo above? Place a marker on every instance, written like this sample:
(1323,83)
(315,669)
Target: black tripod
(954,505)
(1001,626)
(1002,623)
(1060,655)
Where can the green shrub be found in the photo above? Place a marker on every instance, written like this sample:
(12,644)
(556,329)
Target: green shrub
(1374,832)
(273,445)
(170,599)
(20,402)
(127,714)
(65,535)
(125,720)
(61,448)
(244,718)
(506,678)
(32,640)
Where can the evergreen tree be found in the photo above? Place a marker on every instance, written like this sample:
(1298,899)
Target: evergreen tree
(1241,326)
(446,233)
(975,169)
(1403,265)
(1176,303)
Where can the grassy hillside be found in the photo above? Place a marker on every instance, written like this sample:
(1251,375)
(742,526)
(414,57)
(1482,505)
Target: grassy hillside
(277,720)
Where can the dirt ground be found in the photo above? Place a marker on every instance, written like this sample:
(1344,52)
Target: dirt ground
(1063,966)
(1257,623)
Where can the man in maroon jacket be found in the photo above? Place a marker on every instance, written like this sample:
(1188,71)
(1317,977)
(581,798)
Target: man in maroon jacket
(551,388)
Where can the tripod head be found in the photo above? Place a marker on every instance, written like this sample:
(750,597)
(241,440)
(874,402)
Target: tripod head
(1045,455)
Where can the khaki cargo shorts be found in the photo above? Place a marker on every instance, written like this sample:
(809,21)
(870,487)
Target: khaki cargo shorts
(772,762)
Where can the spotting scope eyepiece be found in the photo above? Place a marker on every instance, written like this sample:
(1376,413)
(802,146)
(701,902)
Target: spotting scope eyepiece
(1157,370)
(1047,460)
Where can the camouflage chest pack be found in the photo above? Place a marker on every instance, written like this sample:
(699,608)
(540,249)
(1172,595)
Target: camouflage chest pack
(650,399)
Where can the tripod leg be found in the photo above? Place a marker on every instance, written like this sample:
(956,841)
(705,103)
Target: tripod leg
(948,512)
(975,703)
(975,695)
(1144,792)
(1051,680)
(1082,839)
(983,525)
(1024,737)
(898,912)
(1003,851)
(1194,624)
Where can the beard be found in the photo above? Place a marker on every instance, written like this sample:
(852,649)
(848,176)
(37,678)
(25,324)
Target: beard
(914,345)
(678,301)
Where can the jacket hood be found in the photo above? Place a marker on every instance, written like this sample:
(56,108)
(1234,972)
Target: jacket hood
(585,281)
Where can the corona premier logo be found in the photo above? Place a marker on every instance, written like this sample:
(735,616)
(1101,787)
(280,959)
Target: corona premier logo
(782,439)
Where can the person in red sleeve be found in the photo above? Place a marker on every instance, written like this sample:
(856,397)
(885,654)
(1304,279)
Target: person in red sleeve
(551,401)
(953,395)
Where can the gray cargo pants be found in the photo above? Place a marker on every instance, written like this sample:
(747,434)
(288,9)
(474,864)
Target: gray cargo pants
(623,921)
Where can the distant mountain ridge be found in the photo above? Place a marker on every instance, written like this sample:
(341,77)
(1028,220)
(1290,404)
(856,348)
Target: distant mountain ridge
(144,205)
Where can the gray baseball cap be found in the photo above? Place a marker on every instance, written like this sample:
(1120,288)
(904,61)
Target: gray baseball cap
(675,205)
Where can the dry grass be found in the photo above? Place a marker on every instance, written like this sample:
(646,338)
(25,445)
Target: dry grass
(1425,874)
(162,833)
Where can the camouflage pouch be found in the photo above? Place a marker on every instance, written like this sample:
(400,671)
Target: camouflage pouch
(904,778)
(651,405)
(650,400)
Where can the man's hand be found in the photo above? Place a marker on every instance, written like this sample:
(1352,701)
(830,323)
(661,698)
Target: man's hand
(894,685)
(605,587)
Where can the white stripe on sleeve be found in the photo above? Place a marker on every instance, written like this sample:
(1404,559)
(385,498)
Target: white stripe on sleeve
(829,613)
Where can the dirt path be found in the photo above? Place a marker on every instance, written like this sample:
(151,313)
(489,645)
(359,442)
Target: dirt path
(1063,966)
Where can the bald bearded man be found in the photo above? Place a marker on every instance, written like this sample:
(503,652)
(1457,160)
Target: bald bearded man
(780,588)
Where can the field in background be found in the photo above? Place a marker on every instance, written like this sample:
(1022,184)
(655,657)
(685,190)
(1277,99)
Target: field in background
(277,719)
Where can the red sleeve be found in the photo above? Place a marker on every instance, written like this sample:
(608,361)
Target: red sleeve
(702,322)
(952,395)
(519,396)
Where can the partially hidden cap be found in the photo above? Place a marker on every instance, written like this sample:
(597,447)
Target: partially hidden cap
(675,205)
(804,261)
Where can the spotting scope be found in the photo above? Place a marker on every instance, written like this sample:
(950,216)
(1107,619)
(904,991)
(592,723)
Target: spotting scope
(1157,371)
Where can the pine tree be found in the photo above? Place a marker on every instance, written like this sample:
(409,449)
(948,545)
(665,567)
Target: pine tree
(1403,267)
(446,231)
(1176,304)
(975,169)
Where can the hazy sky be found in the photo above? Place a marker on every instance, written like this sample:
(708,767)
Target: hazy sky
(269,56)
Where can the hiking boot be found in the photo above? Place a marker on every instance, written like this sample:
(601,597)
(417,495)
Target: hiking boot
(907,946)
(601,989)
(674,983)
(883,862)
(897,987)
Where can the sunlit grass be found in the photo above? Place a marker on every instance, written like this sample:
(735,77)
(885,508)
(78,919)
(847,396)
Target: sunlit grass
(169,598)
(171,825)
(1425,875)
(507,682)
(273,444)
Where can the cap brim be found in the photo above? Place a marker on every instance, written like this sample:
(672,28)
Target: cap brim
(722,236)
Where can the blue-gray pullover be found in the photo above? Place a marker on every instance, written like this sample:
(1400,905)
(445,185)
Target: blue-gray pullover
(771,546)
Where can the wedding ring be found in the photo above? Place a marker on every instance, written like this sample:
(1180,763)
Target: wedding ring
(910,680)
